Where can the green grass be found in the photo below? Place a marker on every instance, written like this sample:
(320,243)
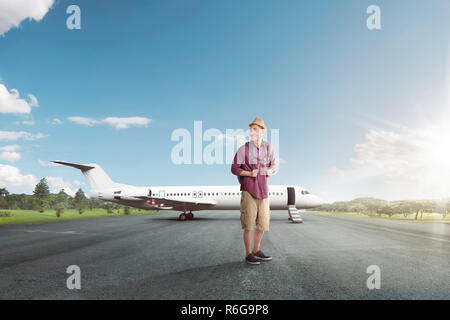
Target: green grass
(30,216)
(427,217)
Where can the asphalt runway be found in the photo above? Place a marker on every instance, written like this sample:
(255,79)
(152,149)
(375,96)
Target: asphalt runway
(158,257)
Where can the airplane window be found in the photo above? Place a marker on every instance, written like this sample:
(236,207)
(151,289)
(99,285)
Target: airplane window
(277,193)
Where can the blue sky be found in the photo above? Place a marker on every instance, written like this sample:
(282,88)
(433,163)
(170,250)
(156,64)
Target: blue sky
(349,102)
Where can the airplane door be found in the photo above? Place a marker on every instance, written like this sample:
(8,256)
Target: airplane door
(291,196)
(162,194)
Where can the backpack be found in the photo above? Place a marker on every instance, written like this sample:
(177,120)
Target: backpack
(265,145)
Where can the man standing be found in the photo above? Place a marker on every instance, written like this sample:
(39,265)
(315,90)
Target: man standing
(254,162)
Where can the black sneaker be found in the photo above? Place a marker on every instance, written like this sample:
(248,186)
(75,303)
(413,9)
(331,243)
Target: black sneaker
(251,259)
(261,256)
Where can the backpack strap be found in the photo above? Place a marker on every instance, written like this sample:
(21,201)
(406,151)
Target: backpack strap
(267,153)
(241,177)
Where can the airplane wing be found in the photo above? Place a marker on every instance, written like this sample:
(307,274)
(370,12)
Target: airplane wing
(181,204)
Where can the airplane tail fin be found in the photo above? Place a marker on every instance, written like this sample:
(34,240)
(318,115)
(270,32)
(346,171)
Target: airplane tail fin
(96,177)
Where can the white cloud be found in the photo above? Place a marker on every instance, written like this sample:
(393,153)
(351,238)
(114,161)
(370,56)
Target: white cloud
(55,185)
(47,164)
(26,122)
(13,12)
(56,121)
(10,101)
(33,102)
(124,123)
(16,135)
(336,172)
(9,156)
(407,164)
(118,123)
(12,147)
(83,121)
(10,177)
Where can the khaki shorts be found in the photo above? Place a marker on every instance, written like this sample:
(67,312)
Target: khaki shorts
(254,210)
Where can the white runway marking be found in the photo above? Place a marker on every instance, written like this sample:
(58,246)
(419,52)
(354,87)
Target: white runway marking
(50,231)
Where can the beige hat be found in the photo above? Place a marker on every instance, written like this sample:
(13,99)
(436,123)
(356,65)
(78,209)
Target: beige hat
(259,122)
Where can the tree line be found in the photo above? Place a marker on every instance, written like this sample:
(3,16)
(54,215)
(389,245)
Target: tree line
(42,199)
(378,207)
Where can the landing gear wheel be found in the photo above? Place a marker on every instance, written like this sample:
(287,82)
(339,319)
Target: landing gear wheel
(190,216)
(182,217)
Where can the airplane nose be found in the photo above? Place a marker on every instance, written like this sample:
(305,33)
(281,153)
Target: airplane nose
(318,201)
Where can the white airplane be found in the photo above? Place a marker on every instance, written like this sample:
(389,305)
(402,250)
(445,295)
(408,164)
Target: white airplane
(190,198)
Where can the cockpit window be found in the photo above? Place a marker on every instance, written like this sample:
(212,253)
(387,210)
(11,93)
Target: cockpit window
(305,192)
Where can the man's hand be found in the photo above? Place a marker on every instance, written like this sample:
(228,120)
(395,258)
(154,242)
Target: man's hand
(269,172)
(252,173)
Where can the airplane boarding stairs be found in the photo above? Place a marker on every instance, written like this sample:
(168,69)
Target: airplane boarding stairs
(294,214)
